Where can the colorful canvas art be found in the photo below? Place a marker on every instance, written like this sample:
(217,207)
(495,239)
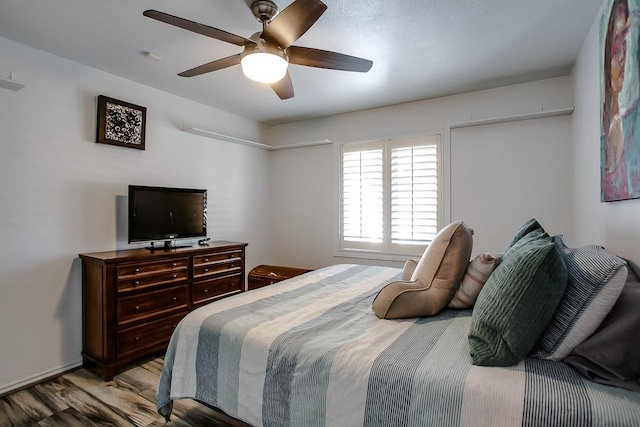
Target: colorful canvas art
(620,82)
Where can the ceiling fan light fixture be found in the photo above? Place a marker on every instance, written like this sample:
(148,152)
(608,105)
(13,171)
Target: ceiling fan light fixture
(264,63)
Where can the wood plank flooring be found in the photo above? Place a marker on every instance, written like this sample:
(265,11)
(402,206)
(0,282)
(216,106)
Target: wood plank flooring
(82,398)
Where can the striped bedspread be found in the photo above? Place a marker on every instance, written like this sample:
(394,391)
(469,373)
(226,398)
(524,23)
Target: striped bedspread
(309,351)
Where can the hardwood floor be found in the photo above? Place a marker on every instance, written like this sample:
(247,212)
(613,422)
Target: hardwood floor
(82,398)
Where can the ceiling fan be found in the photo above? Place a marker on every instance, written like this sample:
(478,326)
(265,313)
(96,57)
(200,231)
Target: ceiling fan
(267,54)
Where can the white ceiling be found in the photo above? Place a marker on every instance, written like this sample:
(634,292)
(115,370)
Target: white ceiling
(420,49)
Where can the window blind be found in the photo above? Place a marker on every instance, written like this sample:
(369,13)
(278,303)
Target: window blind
(390,195)
(414,194)
(363,196)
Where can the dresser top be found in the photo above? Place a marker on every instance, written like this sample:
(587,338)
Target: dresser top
(161,252)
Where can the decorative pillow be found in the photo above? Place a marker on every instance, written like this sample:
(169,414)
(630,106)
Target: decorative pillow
(517,303)
(434,280)
(478,271)
(526,239)
(525,229)
(409,268)
(612,354)
(596,279)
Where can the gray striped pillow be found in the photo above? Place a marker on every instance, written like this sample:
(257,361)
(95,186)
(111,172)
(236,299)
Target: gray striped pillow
(596,279)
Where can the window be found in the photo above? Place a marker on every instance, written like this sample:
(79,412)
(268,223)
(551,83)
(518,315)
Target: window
(390,195)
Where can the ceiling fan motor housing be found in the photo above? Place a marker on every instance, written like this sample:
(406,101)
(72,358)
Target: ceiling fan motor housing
(263,46)
(264,10)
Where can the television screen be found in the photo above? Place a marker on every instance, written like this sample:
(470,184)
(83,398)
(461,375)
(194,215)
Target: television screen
(162,213)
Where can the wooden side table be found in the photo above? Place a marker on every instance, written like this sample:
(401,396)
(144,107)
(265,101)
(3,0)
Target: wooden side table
(264,275)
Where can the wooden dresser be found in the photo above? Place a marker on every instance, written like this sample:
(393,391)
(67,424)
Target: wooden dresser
(133,299)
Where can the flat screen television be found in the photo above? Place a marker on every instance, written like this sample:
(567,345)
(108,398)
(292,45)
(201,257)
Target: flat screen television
(166,214)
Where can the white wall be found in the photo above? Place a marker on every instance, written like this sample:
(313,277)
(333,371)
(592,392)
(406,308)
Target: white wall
(303,204)
(504,174)
(60,192)
(614,225)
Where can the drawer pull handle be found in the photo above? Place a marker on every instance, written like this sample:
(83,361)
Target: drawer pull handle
(136,283)
(175,276)
(206,291)
(137,338)
(137,270)
(206,260)
(175,264)
(206,270)
(137,307)
(174,299)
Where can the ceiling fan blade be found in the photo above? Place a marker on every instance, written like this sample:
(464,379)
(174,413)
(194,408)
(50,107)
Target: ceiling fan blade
(284,87)
(205,30)
(325,59)
(290,24)
(212,66)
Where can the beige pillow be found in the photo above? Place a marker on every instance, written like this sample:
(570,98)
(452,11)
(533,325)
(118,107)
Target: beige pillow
(478,271)
(409,268)
(435,279)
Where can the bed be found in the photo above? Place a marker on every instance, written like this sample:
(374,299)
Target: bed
(310,351)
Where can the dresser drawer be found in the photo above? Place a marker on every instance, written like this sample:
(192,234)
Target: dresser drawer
(145,281)
(209,290)
(259,282)
(147,335)
(151,304)
(217,257)
(203,271)
(153,267)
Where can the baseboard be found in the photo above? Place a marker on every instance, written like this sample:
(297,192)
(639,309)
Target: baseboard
(38,378)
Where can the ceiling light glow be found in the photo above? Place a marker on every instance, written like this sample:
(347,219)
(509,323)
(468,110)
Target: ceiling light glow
(264,63)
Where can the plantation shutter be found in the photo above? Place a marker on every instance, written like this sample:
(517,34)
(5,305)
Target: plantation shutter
(390,195)
(414,194)
(363,196)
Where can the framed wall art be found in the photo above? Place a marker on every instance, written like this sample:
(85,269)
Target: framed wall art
(121,123)
(620,95)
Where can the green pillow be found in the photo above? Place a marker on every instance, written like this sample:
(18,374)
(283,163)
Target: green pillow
(525,229)
(526,239)
(517,303)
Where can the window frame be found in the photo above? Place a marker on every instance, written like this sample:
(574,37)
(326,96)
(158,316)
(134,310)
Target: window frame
(386,250)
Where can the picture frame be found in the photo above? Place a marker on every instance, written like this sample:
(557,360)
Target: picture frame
(121,123)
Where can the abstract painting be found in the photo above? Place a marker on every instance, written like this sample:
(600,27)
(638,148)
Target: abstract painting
(619,90)
(121,123)
(620,94)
